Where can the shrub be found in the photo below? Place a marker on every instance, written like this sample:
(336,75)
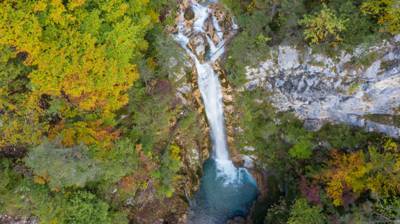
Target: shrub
(277,213)
(85,208)
(302,149)
(301,213)
(323,26)
(118,161)
(62,167)
(167,173)
(386,12)
(359,172)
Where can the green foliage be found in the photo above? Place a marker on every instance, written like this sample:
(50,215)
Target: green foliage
(167,173)
(343,136)
(262,23)
(275,136)
(285,148)
(21,197)
(360,172)
(250,45)
(323,26)
(62,167)
(362,30)
(278,22)
(302,149)
(166,56)
(79,166)
(386,12)
(150,114)
(301,212)
(277,213)
(85,208)
(19,119)
(82,53)
(245,50)
(117,162)
(388,208)
(8,181)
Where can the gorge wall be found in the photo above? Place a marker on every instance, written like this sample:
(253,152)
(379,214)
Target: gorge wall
(320,89)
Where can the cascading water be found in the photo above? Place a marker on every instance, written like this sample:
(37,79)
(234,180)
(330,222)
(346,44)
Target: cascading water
(225,191)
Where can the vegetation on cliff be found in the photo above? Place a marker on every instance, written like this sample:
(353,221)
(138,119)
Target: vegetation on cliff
(328,26)
(337,174)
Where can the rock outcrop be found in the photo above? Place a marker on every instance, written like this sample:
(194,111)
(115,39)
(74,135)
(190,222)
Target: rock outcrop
(322,89)
(6,219)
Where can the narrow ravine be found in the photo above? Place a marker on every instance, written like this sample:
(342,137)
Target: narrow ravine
(225,191)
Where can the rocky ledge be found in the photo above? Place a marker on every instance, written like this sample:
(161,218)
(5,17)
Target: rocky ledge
(360,89)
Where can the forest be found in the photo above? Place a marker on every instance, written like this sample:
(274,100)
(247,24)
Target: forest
(95,127)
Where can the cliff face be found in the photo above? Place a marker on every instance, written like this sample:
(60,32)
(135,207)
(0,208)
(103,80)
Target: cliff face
(360,89)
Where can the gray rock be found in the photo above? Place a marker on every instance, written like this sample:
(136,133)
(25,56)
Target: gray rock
(323,89)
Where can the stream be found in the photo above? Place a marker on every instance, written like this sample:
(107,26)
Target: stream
(225,190)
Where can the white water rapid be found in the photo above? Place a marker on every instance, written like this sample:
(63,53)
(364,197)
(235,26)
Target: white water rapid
(208,82)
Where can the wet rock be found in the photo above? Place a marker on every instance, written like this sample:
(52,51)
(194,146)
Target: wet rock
(188,14)
(237,160)
(199,46)
(237,220)
(248,161)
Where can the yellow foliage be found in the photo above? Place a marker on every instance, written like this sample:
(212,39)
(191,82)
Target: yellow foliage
(323,26)
(357,173)
(387,13)
(20,124)
(346,171)
(75,4)
(40,6)
(175,152)
(39,180)
(87,133)
(77,57)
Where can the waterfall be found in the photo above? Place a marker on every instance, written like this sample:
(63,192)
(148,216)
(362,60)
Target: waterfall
(225,191)
(208,81)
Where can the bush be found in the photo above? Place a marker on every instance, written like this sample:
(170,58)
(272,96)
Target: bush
(85,208)
(323,26)
(115,163)
(167,173)
(301,213)
(277,213)
(150,114)
(386,12)
(62,167)
(302,149)
(353,174)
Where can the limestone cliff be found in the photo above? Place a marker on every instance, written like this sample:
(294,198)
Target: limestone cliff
(321,89)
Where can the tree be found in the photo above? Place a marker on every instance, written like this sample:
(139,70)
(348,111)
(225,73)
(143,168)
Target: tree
(386,12)
(302,149)
(19,117)
(346,173)
(301,212)
(85,208)
(81,53)
(358,172)
(323,26)
(278,213)
(167,173)
(62,167)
